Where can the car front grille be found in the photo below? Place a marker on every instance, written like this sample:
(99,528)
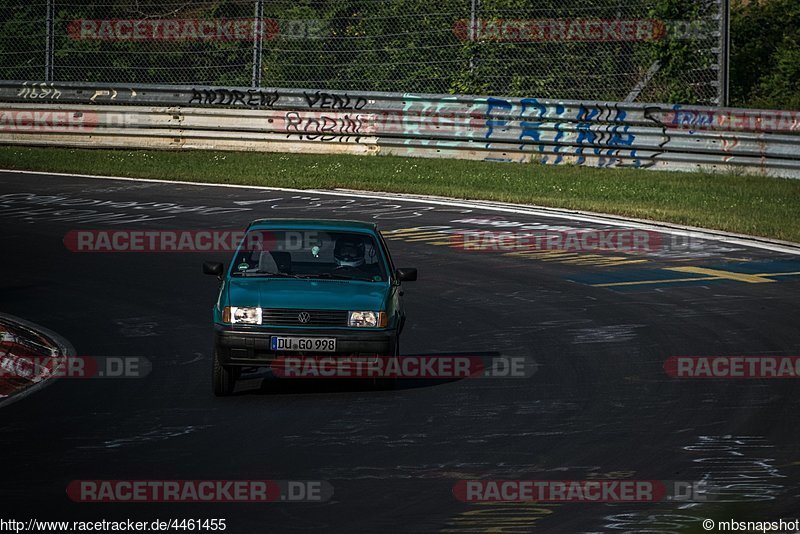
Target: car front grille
(281,317)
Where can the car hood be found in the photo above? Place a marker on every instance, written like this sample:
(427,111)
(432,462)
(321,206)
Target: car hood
(308,294)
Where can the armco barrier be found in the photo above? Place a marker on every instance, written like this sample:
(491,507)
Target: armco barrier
(601,134)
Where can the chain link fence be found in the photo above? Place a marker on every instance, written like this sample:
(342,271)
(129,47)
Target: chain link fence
(635,50)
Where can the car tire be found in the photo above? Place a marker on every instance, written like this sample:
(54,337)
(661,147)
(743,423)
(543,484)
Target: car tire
(391,383)
(223,378)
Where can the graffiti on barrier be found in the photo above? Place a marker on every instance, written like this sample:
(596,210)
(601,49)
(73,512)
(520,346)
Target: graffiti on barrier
(324,100)
(252,98)
(421,118)
(39,91)
(776,121)
(343,128)
(556,131)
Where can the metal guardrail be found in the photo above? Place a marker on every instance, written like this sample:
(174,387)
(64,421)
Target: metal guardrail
(602,134)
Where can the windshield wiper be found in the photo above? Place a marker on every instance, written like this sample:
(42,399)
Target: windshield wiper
(301,276)
(342,277)
(267,274)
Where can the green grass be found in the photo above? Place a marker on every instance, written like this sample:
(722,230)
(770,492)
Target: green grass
(752,205)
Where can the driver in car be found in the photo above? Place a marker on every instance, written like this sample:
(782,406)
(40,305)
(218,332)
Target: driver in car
(349,254)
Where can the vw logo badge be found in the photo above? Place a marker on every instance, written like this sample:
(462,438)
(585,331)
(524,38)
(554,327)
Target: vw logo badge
(303,317)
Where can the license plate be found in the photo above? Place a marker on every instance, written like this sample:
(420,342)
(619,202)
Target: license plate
(309,344)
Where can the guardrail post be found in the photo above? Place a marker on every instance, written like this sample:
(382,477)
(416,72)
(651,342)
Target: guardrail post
(258,37)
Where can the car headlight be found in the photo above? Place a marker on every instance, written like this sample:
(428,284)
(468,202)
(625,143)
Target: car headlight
(234,315)
(366,319)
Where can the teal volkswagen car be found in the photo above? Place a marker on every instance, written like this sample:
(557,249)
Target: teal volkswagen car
(307,288)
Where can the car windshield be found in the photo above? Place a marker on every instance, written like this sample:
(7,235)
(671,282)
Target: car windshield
(310,254)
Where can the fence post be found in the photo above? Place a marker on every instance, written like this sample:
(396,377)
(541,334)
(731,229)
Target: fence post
(50,42)
(473,30)
(258,36)
(724,52)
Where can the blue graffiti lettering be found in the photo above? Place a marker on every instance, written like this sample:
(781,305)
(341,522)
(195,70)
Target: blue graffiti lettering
(491,104)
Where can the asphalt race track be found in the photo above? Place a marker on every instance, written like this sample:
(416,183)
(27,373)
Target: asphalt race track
(599,406)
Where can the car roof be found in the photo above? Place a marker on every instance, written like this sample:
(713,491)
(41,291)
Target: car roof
(312,224)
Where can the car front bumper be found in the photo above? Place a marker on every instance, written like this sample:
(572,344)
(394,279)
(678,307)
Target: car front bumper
(251,347)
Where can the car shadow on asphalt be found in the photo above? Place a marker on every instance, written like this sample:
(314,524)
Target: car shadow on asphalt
(263,382)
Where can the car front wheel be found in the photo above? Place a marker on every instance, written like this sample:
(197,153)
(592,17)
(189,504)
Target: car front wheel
(391,383)
(223,377)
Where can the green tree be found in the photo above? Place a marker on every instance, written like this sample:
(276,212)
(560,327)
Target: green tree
(765,53)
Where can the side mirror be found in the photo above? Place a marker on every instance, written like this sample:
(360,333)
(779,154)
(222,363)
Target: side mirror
(213,268)
(406,274)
